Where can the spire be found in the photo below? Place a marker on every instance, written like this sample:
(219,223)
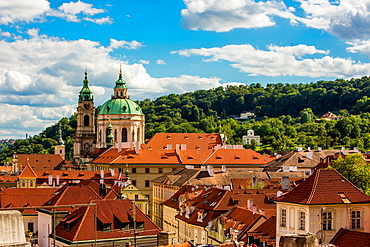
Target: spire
(60,140)
(85,93)
(120,90)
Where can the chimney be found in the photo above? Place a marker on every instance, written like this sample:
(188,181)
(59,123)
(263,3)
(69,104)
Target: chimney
(210,170)
(309,149)
(254,181)
(57,180)
(50,180)
(119,147)
(223,169)
(320,149)
(112,172)
(102,174)
(355,149)
(250,204)
(343,150)
(309,155)
(285,183)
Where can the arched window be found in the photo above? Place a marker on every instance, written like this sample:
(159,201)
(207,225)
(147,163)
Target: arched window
(86,120)
(124,135)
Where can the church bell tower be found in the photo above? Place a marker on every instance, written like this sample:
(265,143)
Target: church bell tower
(84,138)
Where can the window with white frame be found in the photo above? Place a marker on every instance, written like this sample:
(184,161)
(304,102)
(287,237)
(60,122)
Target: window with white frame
(327,221)
(356,219)
(283,217)
(302,220)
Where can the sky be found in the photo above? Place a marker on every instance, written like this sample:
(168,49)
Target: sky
(167,46)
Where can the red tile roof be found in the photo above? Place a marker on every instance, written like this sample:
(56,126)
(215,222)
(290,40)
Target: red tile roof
(184,157)
(266,232)
(110,212)
(345,238)
(40,161)
(23,197)
(72,194)
(193,141)
(240,219)
(28,172)
(325,186)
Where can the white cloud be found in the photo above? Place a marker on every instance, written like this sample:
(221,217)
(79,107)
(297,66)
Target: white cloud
(161,62)
(225,15)
(282,61)
(75,12)
(347,19)
(114,44)
(13,11)
(362,46)
(144,61)
(40,78)
(100,21)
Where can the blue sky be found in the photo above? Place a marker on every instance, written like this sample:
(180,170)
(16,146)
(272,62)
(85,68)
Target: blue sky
(167,46)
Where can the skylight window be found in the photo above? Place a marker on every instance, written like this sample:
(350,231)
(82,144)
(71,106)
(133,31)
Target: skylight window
(213,204)
(205,202)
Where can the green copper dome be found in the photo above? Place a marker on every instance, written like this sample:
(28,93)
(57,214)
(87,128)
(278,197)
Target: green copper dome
(120,106)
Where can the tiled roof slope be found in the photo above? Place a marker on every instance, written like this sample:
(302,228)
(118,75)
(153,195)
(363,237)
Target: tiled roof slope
(187,157)
(109,212)
(193,141)
(266,232)
(345,238)
(325,186)
(40,161)
(237,156)
(72,194)
(28,172)
(183,175)
(187,192)
(23,197)
(240,219)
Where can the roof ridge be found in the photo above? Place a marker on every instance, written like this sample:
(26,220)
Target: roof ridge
(81,223)
(313,188)
(209,156)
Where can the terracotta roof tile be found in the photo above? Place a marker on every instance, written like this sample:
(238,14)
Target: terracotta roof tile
(193,141)
(40,161)
(83,228)
(325,186)
(344,238)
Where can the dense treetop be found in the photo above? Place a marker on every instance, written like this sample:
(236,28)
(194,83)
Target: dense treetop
(285,116)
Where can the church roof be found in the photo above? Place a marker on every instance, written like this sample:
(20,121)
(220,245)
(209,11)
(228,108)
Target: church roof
(120,106)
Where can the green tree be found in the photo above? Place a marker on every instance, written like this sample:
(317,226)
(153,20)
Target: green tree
(355,169)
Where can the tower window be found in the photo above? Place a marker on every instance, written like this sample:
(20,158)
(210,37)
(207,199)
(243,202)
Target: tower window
(124,135)
(86,120)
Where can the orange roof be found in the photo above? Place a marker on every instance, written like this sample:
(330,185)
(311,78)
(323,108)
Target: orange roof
(108,212)
(193,141)
(325,186)
(237,156)
(345,237)
(23,197)
(28,172)
(184,157)
(40,161)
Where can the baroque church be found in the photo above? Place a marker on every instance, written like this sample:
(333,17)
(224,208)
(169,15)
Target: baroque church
(119,121)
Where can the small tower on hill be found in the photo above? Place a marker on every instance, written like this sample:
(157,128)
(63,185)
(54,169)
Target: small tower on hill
(60,148)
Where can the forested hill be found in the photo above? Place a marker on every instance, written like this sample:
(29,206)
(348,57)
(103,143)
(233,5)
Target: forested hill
(285,113)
